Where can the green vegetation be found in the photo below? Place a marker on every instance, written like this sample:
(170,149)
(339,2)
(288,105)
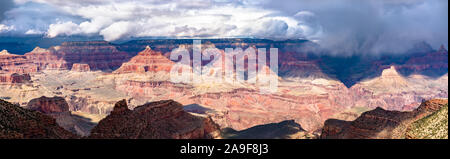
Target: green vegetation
(434,126)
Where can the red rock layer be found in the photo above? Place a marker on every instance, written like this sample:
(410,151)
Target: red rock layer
(157,120)
(14,78)
(379,123)
(150,88)
(47,59)
(99,55)
(147,61)
(16,64)
(78,67)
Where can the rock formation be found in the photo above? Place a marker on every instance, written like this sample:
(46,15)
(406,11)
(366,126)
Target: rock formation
(49,105)
(47,59)
(393,91)
(4,52)
(12,63)
(380,123)
(157,120)
(147,61)
(58,108)
(99,55)
(78,67)
(20,123)
(14,78)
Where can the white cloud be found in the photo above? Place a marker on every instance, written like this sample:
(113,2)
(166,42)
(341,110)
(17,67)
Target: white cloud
(5,28)
(117,30)
(63,28)
(119,19)
(34,32)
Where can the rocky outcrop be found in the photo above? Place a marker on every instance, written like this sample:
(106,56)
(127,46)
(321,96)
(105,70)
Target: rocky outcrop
(380,123)
(58,108)
(147,61)
(49,105)
(78,67)
(14,78)
(157,120)
(15,69)
(20,123)
(434,126)
(4,52)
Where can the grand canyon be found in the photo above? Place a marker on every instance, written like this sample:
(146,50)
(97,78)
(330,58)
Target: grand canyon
(224,69)
(80,84)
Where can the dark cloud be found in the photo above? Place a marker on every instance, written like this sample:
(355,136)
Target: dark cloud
(5,5)
(373,26)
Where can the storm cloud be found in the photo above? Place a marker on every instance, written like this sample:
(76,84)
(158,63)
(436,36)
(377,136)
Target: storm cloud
(342,27)
(373,26)
(5,5)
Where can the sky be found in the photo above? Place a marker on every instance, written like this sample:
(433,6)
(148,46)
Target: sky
(341,26)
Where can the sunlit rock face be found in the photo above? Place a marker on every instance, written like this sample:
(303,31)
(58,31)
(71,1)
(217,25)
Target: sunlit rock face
(11,63)
(98,55)
(15,69)
(78,67)
(393,91)
(47,59)
(147,61)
